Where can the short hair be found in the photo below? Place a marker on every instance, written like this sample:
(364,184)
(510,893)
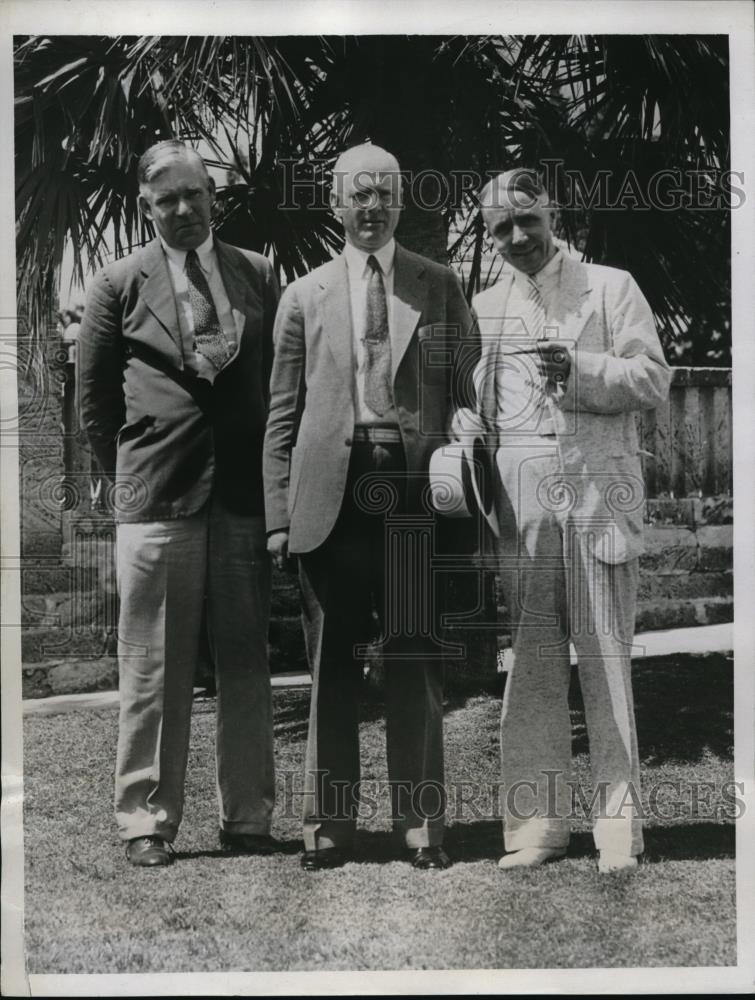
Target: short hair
(521,179)
(171,147)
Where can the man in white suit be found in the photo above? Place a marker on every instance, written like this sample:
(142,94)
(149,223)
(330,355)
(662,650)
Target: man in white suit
(569,353)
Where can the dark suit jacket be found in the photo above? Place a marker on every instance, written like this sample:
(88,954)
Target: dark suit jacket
(310,427)
(168,437)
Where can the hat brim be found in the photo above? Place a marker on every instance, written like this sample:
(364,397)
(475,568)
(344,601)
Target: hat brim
(462,481)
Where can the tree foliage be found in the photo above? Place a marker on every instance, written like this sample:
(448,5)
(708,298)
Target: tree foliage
(596,113)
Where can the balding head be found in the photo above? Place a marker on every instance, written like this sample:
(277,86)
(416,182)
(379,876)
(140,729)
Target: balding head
(518,187)
(519,218)
(367,157)
(366,195)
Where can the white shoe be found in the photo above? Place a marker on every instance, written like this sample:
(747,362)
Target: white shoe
(531,857)
(610,862)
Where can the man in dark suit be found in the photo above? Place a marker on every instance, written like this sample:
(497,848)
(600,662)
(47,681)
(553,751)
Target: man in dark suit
(356,410)
(175,357)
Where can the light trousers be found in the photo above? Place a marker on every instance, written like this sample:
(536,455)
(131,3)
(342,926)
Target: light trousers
(165,571)
(556,590)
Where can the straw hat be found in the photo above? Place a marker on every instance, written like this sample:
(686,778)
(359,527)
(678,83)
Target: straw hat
(462,478)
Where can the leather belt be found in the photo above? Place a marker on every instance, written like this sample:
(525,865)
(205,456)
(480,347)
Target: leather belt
(377,434)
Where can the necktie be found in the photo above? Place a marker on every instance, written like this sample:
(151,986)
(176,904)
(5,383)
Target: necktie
(377,370)
(536,327)
(534,312)
(521,405)
(209,339)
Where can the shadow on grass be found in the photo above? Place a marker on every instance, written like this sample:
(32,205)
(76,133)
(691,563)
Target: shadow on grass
(690,842)
(684,706)
(703,841)
(467,843)
(283,847)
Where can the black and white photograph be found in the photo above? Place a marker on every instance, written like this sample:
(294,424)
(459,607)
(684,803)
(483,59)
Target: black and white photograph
(376,400)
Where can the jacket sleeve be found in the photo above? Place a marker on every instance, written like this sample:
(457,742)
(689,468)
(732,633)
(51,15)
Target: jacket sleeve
(467,353)
(271,298)
(100,372)
(286,404)
(635,375)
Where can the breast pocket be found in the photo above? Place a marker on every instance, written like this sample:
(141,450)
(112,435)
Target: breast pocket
(131,431)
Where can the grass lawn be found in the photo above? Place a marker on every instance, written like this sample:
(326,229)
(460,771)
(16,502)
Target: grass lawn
(87,911)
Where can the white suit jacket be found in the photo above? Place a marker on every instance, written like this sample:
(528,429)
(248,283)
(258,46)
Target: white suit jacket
(618,367)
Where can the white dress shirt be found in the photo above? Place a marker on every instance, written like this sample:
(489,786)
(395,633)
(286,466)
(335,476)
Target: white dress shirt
(208,261)
(359,276)
(522,404)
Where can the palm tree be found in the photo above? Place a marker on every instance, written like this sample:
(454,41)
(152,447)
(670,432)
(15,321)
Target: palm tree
(263,109)
(87,107)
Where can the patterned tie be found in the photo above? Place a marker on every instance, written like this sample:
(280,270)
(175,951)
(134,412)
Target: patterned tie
(535,320)
(521,406)
(377,372)
(534,312)
(209,339)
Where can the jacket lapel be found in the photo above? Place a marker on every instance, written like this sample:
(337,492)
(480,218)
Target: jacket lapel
(490,310)
(334,307)
(237,289)
(573,303)
(235,283)
(156,292)
(408,301)
(409,298)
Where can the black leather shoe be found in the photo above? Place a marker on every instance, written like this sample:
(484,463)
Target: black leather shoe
(148,852)
(326,857)
(429,857)
(247,843)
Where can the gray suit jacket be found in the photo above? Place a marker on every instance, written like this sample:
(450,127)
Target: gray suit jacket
(618,367)
(310,427)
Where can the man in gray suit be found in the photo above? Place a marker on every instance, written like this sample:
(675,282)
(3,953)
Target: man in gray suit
(175,351)
(354,416)
(569,354)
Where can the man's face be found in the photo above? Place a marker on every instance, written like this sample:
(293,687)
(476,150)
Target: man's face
(178,199)
(521,229)
(367,200)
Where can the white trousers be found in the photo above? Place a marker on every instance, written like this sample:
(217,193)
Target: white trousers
(556,590)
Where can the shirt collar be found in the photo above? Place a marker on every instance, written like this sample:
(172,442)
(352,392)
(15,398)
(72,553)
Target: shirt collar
(356,259)
(205,253)
(547,272)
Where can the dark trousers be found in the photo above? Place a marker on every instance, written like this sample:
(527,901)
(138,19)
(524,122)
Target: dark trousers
(355,585)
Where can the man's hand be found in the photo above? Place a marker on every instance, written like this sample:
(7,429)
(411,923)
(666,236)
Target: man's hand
(277,546)
(553,361)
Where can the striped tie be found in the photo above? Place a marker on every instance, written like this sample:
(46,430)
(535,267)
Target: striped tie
(533,315)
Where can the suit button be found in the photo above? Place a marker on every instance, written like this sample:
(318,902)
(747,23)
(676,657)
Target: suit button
(348,441)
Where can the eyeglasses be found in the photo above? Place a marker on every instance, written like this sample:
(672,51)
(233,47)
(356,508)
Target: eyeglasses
(371,199)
